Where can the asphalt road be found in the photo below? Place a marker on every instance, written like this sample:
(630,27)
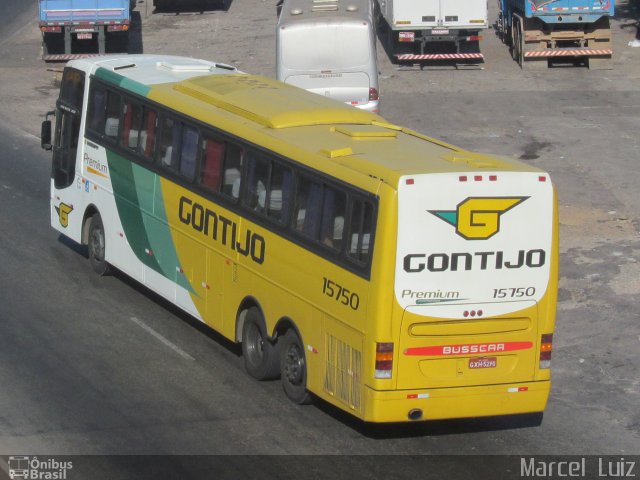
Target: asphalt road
(92,365)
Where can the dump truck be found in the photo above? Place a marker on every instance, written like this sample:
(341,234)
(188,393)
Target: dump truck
(79,28)
(540,31)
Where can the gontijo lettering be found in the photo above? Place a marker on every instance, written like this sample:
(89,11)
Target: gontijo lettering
(221,229)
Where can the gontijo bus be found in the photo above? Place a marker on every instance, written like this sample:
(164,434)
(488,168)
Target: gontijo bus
(390,274)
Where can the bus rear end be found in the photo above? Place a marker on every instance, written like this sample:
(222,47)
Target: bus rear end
(475,292)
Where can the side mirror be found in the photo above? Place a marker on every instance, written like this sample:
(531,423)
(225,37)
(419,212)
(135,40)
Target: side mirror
(45,132)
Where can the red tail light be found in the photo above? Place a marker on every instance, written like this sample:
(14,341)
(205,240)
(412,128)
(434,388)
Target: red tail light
(384,360)
(118,28)
(373,94)
(546,346)
(51,29)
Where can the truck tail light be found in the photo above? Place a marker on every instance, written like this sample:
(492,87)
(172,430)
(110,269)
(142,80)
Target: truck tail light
(51,29)
(546,346)
(384,360)
(118,28)
(373,94)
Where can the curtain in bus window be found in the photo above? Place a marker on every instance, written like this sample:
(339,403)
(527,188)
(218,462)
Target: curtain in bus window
(126,123)
(360,230)
(113,115)
(97,116)
(148,136)
(211,164)
(280,193)
(232,170)
(332,218)
(188,152)
(287,195)
(310,198)
(257,178)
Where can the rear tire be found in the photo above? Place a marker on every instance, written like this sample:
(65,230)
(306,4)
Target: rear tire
(97,246)
(261,357)
(293,369)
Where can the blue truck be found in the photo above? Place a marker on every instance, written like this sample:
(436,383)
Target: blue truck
(540,31)
(77,28)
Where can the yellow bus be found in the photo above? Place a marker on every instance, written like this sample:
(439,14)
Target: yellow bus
(392,275)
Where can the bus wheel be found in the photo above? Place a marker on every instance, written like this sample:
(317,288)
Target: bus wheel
(97,246)
(293,369)
(261,357)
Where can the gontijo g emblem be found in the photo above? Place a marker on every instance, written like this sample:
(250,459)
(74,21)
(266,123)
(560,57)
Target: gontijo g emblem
(478,218)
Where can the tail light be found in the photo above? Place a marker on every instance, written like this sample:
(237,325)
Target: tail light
(373,94)
(384,360)
(118,28)
(546,346)
(51,29)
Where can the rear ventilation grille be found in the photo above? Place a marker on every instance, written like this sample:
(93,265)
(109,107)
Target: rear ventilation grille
(343,373)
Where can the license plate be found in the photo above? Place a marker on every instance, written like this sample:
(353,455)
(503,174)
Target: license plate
(406,36)
(84,36)
(487,362)
(442,31)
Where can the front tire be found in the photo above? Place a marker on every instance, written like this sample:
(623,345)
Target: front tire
(97,246)
(293,369)
(261,357)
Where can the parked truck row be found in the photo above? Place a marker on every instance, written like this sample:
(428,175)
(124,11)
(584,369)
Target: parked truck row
(535,31)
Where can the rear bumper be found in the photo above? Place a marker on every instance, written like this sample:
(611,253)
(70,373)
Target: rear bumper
(461,402)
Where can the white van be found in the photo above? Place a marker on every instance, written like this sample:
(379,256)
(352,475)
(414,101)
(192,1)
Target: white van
(329,47)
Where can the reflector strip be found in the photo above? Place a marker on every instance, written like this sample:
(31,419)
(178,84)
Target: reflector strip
(418,395)
(465,349)
(582,52)
(517,389)
(72,56)
(440,56)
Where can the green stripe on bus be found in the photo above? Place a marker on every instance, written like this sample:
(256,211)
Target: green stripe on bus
(140,205)
(126,83)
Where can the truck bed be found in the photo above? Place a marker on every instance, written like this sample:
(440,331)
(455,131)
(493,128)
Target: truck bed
(92,11)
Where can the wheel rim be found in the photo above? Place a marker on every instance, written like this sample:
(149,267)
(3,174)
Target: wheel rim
(255,344)
(97,244)
(293,369)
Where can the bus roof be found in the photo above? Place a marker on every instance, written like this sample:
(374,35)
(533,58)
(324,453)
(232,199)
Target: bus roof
(322,132)
(325,11)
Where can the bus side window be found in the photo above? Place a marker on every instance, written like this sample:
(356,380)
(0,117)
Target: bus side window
(360,231)
(188,152)
(255,193)
(280,193)
(232,171)
(148,133)
(169,139)
(113,115)
(131,125)
(308,208)
(97,104)
(333,211)
(211,169)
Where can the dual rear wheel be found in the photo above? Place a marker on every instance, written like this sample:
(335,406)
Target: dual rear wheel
(265,360)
